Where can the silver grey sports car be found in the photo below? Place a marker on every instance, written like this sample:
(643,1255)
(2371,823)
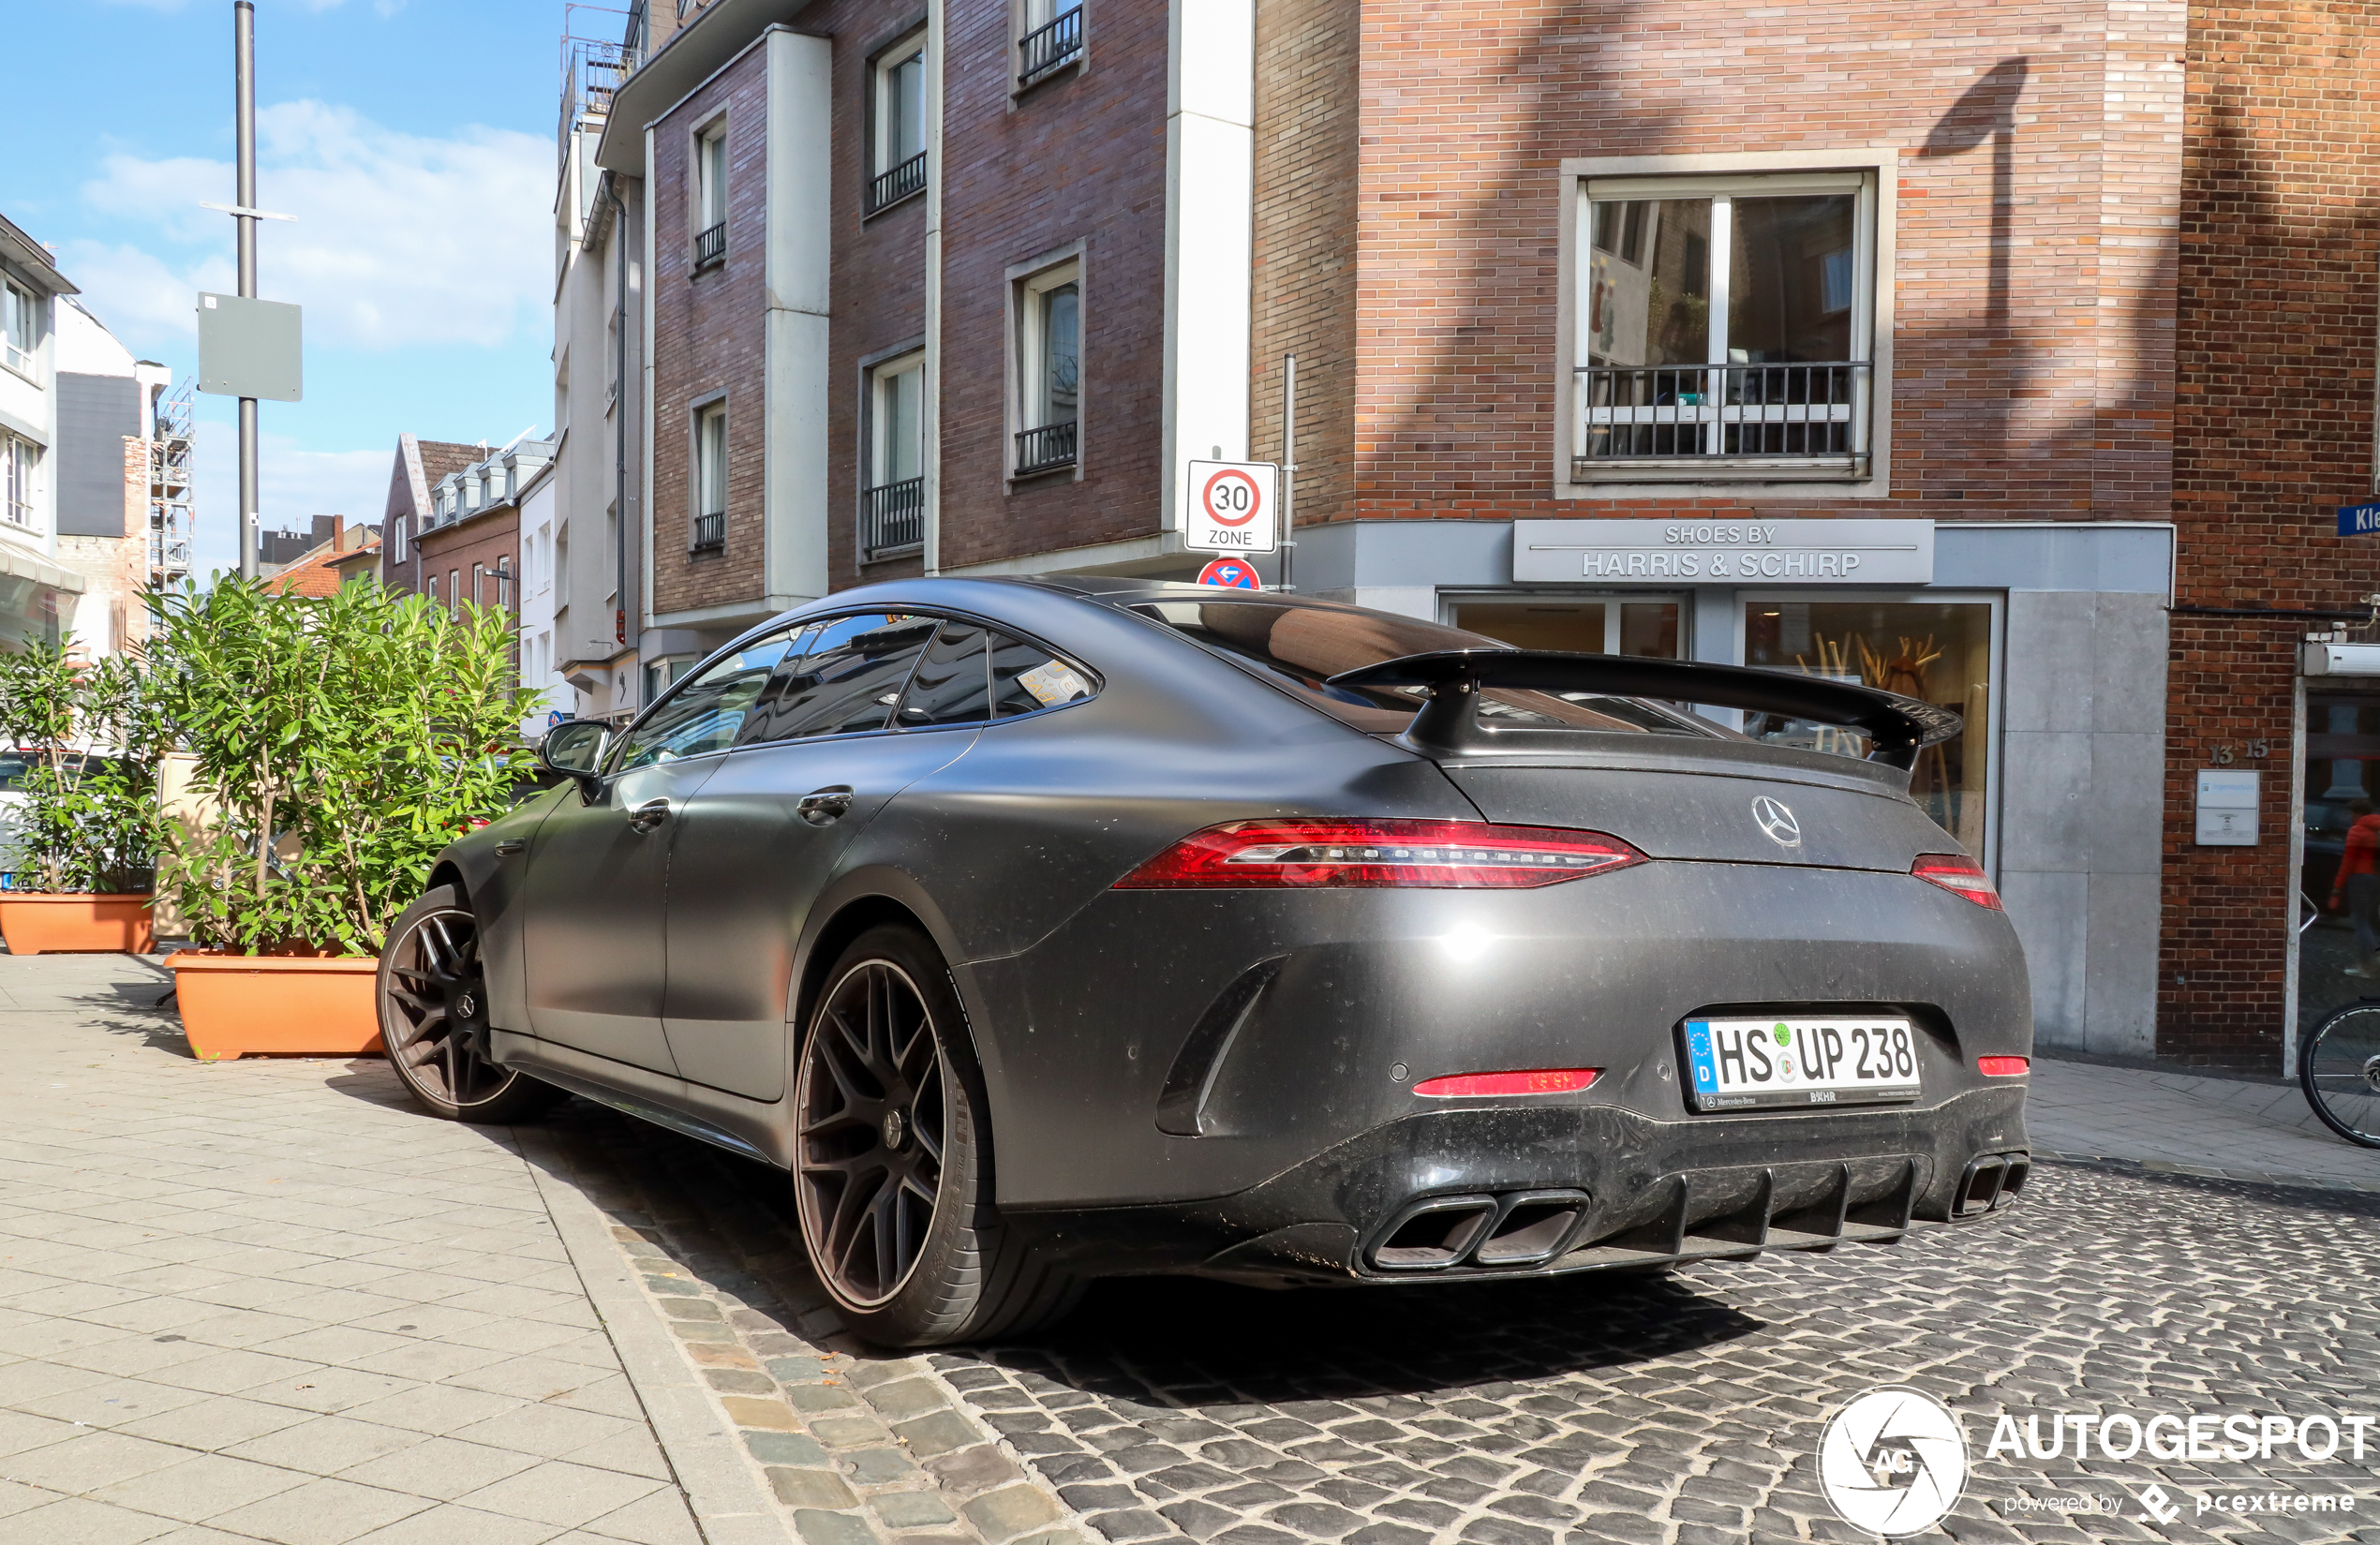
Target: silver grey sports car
(1052,929)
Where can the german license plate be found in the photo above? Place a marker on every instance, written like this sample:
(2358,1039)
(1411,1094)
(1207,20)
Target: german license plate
(1791,1061)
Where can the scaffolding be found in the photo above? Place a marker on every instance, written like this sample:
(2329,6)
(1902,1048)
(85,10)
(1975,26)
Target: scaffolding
(171,446)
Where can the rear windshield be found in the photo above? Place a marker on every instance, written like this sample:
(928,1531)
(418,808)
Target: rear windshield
(1298,646)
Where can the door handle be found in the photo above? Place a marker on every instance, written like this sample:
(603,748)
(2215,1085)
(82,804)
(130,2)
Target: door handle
(826,807)
(510,846)
(644,817)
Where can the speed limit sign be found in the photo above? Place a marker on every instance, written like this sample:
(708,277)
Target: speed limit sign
(1231,507)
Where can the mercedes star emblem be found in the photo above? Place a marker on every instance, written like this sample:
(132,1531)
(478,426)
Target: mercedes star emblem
(1778,821)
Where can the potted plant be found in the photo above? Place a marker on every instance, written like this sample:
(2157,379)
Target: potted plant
(338,743)
(83,847)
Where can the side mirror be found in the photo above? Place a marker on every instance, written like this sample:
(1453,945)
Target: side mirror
(575,748)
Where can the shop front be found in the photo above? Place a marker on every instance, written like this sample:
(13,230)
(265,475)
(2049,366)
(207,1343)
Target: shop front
(2048,638)
(2338,835)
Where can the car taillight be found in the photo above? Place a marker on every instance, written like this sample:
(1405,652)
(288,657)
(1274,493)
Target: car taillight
(1544,1080)
(2002,1067)
(1957,874)
(1442,855)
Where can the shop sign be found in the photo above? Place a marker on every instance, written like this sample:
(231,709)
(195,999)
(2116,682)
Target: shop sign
(1724,552)
(2226,808)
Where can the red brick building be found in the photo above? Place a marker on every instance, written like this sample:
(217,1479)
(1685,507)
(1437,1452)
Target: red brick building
(452,530)
(2015,357)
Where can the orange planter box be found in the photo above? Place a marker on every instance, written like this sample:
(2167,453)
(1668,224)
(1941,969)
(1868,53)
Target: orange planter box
(43,922)
(239,1005)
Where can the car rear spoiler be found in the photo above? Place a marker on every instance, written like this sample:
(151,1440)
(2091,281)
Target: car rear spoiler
(1897,727)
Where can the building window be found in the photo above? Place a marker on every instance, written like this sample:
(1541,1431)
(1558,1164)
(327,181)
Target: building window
(397,538)
(1937,651)
(710,195)
(19,481)
(433,590)
(1049,326)
(659,674)
(454,591)
(1726,327)
(896,99)
(893,509)
(611,360)
(20,326)
(1052,39)
(1644,627)
(710,477)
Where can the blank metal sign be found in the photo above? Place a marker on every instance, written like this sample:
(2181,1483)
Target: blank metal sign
(250,349)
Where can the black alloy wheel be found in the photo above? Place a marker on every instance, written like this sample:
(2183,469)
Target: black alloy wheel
(873,1124)
(432,1002)
(892,1159)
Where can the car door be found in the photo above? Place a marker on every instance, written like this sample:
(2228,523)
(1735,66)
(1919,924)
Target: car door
(594,947)
(874,704)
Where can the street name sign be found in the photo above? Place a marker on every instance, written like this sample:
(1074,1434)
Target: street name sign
(1233,507)
(2358,520)
(1724,552)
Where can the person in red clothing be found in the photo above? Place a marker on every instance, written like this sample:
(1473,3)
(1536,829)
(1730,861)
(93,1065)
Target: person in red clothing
(2359,883)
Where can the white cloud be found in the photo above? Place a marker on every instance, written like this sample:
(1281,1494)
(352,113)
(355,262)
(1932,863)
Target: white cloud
(400,238)
(294,485)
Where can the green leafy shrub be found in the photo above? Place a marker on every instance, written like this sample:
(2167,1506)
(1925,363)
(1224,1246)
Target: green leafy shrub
(341,741)
(90,734)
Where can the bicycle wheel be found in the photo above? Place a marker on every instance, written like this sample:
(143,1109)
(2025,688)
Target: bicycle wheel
(2340,1072)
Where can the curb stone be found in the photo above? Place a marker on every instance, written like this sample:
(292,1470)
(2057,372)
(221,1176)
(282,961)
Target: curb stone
(840,1443)
(2202,1172)
(728,1508)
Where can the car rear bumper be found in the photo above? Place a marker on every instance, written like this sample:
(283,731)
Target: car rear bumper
(1508,1192)
(1202,1044)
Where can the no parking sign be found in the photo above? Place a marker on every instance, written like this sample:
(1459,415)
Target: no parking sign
(1232,507)
(1232,573)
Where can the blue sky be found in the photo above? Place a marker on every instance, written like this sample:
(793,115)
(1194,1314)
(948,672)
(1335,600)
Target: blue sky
(413,140)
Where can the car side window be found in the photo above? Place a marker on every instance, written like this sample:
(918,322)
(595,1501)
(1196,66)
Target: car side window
(708,708)
(1027,679)
(851,676)
(952,684)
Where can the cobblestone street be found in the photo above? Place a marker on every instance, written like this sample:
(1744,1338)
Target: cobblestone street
(1686,1408)
(267,1301)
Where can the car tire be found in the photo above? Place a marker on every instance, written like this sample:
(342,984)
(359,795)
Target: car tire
(432,999)
(892,1174)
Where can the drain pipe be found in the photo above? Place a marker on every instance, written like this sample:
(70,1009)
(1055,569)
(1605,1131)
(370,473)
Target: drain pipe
(620,416)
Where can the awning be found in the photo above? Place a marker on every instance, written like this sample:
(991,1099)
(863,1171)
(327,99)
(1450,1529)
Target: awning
(32,566)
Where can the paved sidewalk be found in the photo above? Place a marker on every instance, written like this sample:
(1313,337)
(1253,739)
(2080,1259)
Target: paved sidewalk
(269,1300)
(2191,1123)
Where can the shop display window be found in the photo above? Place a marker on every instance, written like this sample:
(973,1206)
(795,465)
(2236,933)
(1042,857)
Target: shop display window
(1940,652)
(1645,629)
(2338,897)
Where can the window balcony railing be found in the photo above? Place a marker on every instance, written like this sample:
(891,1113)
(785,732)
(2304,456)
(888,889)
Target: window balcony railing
(890,188)
(1046,48)
(892,519)
(711,246)
(1045,449)
(1798,419)
(710,532)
